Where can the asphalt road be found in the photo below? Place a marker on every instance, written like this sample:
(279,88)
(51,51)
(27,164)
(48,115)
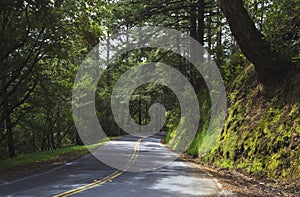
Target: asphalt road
(140,167)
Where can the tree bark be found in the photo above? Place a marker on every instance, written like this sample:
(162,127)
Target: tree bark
(271,66)
(200,29)
(78,140)
(219,37)
(193,34)
(9,132)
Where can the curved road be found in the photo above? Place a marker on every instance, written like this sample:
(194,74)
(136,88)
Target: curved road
(90,177)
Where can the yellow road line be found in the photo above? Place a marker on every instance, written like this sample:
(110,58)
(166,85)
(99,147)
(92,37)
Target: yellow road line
(107,178)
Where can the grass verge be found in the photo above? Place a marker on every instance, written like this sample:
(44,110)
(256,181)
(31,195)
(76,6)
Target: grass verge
(32,158)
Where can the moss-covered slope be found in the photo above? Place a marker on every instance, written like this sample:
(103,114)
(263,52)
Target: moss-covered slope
(261,136)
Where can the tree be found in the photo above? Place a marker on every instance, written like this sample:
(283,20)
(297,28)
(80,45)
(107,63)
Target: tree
(24,39)
(42,44)
(271,66)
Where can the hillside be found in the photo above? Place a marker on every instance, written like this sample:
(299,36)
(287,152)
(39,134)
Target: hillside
(261,137)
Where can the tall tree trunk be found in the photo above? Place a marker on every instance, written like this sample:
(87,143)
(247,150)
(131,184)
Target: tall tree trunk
(9,132)
(219,37)
(200,29)
(140,110)
(200,38)
(209,30)
(193,34)
(271,66)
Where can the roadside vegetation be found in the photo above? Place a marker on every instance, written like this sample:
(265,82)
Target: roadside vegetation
(255,44)
(46,156)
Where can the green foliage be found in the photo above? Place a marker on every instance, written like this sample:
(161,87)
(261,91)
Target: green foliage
(233,66)
(42,45)
(282,28)
(259,136)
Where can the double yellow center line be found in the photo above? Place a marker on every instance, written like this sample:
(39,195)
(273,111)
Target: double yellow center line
(108,178)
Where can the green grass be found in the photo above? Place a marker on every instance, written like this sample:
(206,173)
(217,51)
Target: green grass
(46,155)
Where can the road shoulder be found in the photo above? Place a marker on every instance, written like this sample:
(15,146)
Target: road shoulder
(241,184)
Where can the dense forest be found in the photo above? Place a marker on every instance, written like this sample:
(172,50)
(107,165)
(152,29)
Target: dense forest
(255,44)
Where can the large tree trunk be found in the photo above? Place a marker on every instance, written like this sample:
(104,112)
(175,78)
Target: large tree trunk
(271,66)
(197,32)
